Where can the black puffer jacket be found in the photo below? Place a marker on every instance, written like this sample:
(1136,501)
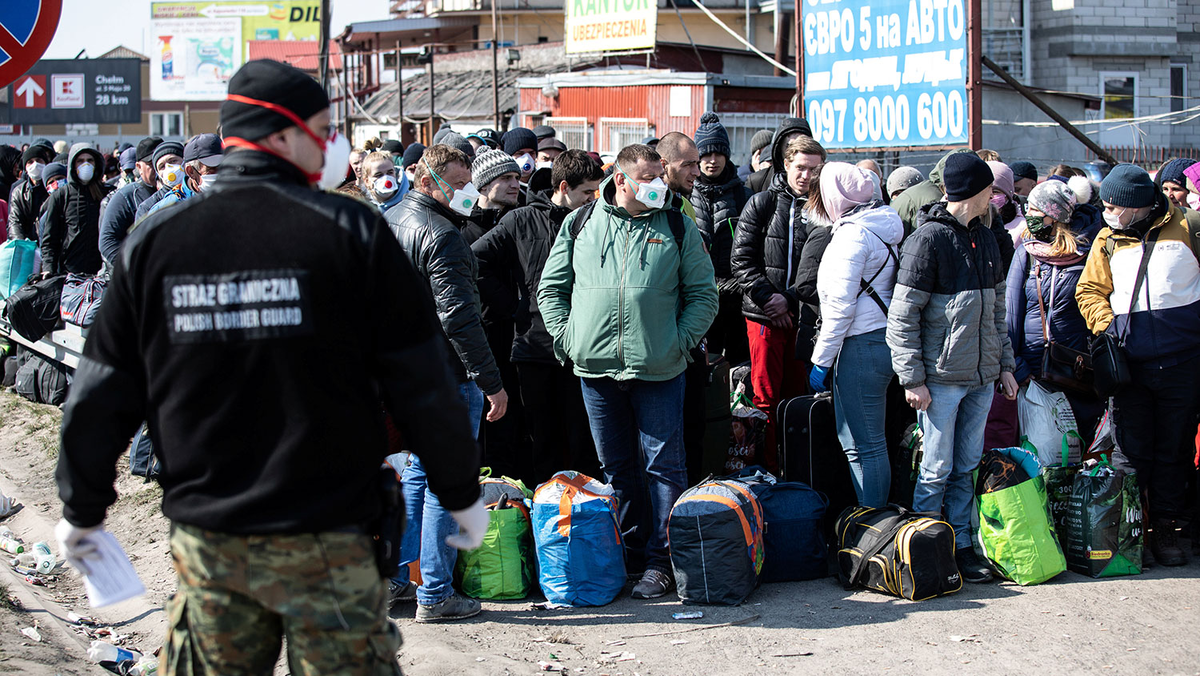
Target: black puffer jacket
(23,209)
(511,258)
(760,248)
(72,239)
(429,234)
(718,206)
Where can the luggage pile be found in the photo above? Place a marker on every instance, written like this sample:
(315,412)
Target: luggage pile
(898,552)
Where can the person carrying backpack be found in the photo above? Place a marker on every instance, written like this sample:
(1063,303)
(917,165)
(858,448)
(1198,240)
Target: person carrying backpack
(1159,329)
(626,294)
(854,283)
(72,239)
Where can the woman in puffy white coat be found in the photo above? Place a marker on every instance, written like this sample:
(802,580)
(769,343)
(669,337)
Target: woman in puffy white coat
(851,355)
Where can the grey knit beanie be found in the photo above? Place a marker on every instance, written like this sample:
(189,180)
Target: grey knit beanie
(760,140)
(490,165)
(457,140)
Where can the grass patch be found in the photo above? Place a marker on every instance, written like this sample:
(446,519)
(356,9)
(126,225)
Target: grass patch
(149,495)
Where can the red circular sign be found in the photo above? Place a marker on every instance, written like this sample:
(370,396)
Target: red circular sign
(26,29)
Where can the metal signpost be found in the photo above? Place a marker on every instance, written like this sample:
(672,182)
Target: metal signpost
(26,29)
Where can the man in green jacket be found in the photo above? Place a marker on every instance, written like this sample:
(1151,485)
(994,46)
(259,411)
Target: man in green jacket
(625,302)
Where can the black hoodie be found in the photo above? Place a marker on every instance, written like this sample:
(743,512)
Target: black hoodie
(763,178)
(72,238)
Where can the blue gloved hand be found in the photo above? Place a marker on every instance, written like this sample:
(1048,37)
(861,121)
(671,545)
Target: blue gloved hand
(817,377)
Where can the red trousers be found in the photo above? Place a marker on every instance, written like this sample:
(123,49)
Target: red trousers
(776,375)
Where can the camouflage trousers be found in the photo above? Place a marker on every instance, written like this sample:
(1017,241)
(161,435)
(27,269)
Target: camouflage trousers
(239,596)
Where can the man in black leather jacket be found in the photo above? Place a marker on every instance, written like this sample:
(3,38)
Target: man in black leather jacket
(29,195)
(429,233)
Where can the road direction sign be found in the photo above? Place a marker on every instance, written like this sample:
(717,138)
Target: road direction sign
(78,91)
(26,29)
(30,92)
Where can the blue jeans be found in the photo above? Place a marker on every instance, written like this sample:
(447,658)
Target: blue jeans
(860,381)
(429,524)
(953,428)
(638,428)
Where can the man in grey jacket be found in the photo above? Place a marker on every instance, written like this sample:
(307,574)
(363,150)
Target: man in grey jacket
(949,341)
(428,230)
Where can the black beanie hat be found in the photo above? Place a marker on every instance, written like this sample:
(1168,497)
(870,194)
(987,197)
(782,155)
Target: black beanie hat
(272,82)
(145,148)
(167,148)
(1023,169)
(392,146)
(37,152)
(965,176)
(1128,185)
(412,155)
(711,136)
(519,138)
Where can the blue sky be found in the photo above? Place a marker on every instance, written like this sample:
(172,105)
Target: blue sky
(100,25)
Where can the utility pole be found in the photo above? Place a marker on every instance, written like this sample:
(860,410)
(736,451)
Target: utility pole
(974,75)
(495,68)
(325,45)
(399,95)
(800,112)
(432,122)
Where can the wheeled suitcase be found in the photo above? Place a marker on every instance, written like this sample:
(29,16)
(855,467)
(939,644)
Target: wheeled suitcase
(811,452)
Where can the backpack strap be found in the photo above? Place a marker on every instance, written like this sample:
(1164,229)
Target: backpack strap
(581,217)
(674,221)
(866,283)
(1193,226)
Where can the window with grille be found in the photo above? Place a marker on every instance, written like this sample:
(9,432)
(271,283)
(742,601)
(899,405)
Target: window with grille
(616,133)
(742,127)
(573,131)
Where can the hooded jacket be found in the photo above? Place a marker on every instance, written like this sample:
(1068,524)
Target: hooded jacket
(118,215)
(946,322)
(624,300)
(764,178)
(23,208)
(857,250)
(72,239)
(761,255)
(216,327)
(718,205)
(429,234)
(909,202)
(511,258)
(1163,327)
(1058,282)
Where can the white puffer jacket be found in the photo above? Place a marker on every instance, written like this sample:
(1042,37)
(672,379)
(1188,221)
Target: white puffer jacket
(856,252)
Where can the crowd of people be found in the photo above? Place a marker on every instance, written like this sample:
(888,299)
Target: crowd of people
(579,305)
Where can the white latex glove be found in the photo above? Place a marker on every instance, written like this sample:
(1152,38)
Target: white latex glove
(71,545)
(472,524)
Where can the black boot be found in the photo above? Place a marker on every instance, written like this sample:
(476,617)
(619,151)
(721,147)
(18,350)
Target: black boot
(971,568)
(1164,544)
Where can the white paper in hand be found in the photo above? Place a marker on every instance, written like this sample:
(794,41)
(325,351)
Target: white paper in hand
(111,578)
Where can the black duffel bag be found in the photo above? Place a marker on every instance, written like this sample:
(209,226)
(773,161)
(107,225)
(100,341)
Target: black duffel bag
(33,311)
(896,551)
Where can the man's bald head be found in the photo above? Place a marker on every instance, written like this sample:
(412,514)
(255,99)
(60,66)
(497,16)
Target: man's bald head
(674,145)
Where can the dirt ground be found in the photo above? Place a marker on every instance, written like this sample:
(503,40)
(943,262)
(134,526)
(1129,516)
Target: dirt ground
(1071,625)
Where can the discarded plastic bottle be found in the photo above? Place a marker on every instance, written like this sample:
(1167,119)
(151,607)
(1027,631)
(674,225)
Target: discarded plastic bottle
(24,563)
(148,666)
(10,543)
(45,558)
(103,651)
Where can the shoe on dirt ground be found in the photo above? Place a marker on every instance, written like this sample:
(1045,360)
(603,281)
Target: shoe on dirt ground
(971,568)
(1164,544)
(401,593)
(456,607)
(654,583)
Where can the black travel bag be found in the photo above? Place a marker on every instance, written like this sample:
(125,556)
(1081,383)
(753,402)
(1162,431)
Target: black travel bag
(898,552)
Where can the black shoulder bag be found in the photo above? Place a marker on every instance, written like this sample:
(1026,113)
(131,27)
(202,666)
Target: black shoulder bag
(1109,361)
(1063,367)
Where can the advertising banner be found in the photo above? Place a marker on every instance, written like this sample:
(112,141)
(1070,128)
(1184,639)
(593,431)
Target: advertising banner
(198,45)
(610,25)
(886,73)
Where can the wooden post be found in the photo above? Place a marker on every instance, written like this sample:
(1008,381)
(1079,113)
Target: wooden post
(974,75)
(432,121)
(495,70)
(399,95)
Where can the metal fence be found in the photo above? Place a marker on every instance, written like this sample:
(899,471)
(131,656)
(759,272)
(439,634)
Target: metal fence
(742,127)
(573,131)
(1147,157)
(614,133)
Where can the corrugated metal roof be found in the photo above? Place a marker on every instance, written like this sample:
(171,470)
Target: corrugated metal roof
(391,28)
(465,94)
(302,54)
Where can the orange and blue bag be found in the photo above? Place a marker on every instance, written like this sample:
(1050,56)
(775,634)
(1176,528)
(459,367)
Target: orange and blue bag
(716,536)
(580,555)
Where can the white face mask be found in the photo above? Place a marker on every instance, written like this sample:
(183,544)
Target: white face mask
(337,161)
(1114,220)
(526,163)
(385,186)
(206,182)
(85,171)
(35,172)
(652,194)
(545,165)
(463,200)
(172,175)
(1193,201)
